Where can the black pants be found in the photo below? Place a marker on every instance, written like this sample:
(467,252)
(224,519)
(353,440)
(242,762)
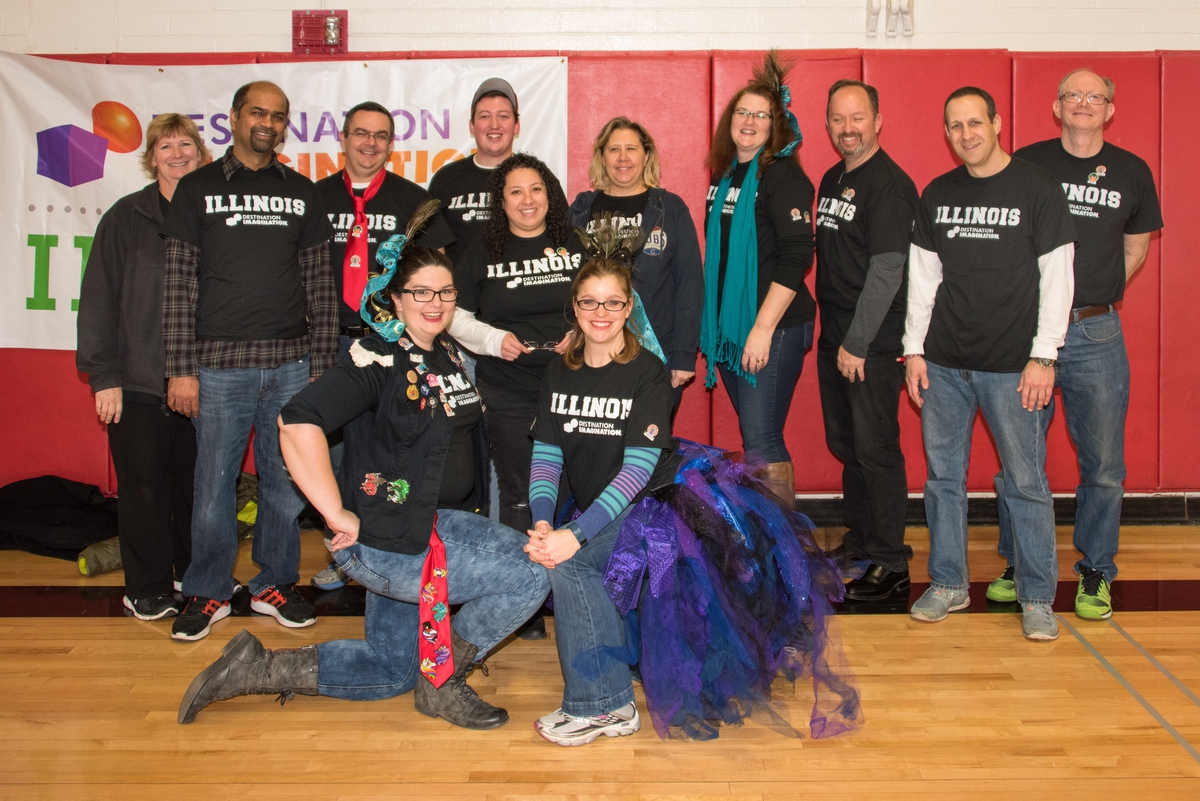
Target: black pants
(509,416)
(862,429)
(154,452)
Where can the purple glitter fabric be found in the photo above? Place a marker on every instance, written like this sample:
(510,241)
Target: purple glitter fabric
(723,590)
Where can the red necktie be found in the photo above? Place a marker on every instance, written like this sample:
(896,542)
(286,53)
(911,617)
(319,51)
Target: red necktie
(434,646)
(354,266)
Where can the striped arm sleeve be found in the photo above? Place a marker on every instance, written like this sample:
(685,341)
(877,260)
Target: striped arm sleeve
(635,473)
(544,474)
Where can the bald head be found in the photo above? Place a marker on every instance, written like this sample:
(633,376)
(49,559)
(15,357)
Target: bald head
(239,97)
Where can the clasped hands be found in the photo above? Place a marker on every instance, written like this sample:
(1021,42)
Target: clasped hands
(550,547)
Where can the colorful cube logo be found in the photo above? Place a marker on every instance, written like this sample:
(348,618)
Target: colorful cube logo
(70,155)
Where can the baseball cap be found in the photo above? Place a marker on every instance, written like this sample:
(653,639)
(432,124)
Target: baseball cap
(495,85)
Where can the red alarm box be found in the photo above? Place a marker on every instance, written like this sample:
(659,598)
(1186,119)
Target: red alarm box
(319,32)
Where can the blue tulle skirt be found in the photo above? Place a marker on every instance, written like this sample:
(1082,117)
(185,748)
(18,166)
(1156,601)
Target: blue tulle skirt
(723,591)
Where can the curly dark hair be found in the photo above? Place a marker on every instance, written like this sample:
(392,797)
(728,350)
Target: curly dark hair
(496,231)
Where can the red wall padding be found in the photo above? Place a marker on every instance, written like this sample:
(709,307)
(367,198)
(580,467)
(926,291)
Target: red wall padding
(678,121)
(913,87)
(48,420)
(1180,329)
(49,424)
(809,81)
(1035,85)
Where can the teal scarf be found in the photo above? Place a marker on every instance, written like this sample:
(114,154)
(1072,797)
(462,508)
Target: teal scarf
(723,334)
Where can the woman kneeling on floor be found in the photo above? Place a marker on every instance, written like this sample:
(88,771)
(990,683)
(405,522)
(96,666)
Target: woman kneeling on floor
(737,592)
(405,519)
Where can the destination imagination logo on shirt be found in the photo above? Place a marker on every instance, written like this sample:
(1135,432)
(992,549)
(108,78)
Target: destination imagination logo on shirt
(976,222)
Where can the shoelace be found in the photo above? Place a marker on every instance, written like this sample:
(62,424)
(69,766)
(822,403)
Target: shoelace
(1092,582)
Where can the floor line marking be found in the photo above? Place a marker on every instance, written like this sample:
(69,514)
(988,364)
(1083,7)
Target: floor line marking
(1152,660)
(1116,674)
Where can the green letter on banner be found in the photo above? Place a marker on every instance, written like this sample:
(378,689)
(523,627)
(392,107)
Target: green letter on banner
(83,243)
(41,244)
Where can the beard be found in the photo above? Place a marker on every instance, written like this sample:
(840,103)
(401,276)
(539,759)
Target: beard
(261,146)
(858,146)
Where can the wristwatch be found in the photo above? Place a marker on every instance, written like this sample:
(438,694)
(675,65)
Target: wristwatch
(1043,361)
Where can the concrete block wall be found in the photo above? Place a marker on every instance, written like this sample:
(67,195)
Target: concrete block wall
(145,26)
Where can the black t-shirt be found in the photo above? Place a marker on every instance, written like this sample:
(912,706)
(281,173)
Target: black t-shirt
(594,413)
(626,211)
(461,186)
(1110,194)
(351,391)
(528,293)
(783,217)
(860,214)
(249,230)
(388,213)
(989,233)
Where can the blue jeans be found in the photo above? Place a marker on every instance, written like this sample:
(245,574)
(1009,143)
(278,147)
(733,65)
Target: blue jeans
(231,401)
(947,416)
(486,572)
(586,622)
(762,409)
(1093,372)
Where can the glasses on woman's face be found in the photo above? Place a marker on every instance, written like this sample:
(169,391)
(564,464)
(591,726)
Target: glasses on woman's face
(746,114)
(613,305)
(423,295)
(543,346)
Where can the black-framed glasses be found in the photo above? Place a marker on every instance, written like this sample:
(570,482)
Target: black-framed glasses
(382,137)
(543,346)
(423,295)
(613,305)
(1094,99)
(746,114)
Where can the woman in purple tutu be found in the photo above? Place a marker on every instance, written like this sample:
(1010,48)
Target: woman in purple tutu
(738,592)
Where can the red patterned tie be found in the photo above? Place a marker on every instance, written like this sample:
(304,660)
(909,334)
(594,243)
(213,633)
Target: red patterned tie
(354,265)
(434,647)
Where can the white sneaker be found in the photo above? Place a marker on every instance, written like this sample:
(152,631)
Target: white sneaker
(563,729)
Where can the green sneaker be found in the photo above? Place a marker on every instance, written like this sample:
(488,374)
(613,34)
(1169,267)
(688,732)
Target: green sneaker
(1093,600)
(1004,589)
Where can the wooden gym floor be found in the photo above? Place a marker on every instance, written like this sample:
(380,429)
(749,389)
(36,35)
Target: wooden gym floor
(961,708)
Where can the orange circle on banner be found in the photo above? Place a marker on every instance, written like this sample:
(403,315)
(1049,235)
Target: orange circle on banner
(118,124)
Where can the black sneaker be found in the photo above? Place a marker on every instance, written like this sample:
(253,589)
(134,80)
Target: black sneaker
(152,608)
(199,614)
(285,605)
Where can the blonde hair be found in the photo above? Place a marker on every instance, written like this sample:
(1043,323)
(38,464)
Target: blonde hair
(601,268)
(651,173)
(165,125)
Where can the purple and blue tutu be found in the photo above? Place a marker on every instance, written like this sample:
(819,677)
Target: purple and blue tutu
(723,589)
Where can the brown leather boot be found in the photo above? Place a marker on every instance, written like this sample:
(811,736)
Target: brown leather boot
(246,668)
(455,700)
(780,478)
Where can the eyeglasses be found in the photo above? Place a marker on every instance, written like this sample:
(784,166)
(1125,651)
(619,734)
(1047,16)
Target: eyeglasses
(543,346)
(1075,97)
(614,305)
(422,295)
(382,137)
(746,114)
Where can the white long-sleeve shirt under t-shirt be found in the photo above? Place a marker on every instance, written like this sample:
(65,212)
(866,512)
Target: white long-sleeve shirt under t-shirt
(1056,287)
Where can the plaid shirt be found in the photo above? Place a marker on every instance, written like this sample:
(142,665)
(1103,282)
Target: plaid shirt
(186,355)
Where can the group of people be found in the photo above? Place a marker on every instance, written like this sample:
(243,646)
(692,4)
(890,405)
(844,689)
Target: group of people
(233,294)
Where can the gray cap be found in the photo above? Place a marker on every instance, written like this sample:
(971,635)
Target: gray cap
(494,85)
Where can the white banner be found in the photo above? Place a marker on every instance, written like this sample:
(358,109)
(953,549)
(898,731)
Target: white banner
(72,140)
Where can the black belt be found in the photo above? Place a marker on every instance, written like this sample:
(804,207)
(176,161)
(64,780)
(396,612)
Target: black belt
(355,331)
(1089,311)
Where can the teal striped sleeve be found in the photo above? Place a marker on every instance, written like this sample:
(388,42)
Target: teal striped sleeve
(544,473)
(636,469)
